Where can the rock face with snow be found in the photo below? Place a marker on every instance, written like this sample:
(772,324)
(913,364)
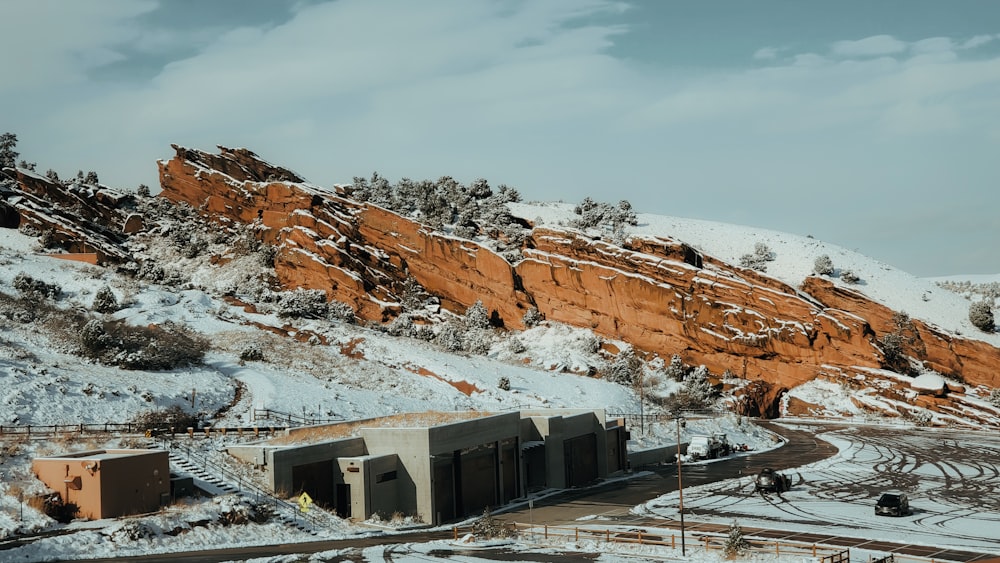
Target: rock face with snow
(658,294)
(82,218)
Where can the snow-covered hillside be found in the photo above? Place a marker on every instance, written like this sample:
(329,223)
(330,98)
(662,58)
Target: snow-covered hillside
(794,259)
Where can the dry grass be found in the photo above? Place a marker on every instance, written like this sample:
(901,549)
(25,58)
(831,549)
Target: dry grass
(353,428)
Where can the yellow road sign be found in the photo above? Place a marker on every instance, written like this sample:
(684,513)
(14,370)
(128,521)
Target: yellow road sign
(304,501)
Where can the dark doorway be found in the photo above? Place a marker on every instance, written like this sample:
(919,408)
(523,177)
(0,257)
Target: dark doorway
(343,500)
(315,479)
(580,457)
(444,490)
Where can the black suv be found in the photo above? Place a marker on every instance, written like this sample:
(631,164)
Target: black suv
(892,504)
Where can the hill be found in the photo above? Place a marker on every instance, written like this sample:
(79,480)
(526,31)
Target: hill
(415,312)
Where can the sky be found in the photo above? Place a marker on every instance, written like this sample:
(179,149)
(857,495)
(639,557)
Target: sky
(871,125)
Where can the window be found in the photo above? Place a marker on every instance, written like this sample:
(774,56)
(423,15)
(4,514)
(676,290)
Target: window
(387,476)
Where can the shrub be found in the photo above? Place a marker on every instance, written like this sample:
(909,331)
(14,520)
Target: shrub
(303,303)
(174,416)
(504,383)
(166,346)
(340,311)
(532,317)
(479,341)
(625,369)
(981,316)
(251,353)
(105,301)
(758,259)
(476,316)
(28,286)
(823,266)
(450,338)
(995,397)
(849,277)
(52,505)
(487,527)
(676,369)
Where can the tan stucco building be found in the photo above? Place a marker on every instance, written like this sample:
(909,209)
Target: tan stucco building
(108,483)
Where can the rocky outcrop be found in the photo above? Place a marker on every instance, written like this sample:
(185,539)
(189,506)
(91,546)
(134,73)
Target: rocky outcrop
(658,294)
(78,218)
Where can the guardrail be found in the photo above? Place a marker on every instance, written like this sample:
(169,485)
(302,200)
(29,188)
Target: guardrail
(280,506)
(290,418)
(147,429)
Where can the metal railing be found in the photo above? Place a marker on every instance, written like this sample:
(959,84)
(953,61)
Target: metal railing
(291,418)
(246,486)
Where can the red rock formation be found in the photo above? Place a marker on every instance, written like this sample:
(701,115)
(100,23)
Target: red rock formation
(658,294)
(82,218)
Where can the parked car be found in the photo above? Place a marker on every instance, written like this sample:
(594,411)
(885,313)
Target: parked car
(708,447)
(892,504)
(770,481)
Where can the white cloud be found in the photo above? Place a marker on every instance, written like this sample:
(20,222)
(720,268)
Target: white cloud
(977,41)
(49,43)
(932,45)
(875,45)
(766,53)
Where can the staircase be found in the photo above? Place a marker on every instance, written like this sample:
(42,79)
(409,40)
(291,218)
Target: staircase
(213,479)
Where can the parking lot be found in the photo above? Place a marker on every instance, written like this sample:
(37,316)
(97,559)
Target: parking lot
(952,478)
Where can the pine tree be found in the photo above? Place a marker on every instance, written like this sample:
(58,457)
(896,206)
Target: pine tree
(736,543)
(8,152)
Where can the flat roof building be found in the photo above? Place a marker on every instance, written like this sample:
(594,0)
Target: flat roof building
(440,466)
(108,483)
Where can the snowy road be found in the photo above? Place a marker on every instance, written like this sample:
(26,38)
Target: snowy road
(952,478)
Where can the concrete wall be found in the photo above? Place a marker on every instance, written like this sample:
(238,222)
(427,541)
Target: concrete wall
(653,456)
(413,473)
(369,494)
(280,461)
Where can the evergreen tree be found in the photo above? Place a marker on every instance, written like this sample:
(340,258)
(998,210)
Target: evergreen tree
(736,543)
(8,150)
(676,369)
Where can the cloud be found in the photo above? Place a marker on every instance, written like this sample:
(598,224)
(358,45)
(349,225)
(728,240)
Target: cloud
(44,51)
(977,41)
(873,46)
(765,53)
(932,45)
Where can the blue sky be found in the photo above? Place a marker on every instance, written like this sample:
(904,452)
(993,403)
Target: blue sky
(872,125)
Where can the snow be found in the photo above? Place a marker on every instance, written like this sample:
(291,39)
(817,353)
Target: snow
(794,257)
(358,373)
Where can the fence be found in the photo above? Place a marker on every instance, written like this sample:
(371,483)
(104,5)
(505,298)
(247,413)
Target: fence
(663,537)
(148,429)
(290,418)
(45,429)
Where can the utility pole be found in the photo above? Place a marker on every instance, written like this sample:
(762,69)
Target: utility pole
(680,484)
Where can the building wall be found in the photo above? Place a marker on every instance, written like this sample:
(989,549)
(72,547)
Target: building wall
(134,484)
(446,471)
(107,485)
(413,473)
(282,461)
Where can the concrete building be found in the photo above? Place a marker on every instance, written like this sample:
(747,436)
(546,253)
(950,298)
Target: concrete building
(442,466)
(108,483)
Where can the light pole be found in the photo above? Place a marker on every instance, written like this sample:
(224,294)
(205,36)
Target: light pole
(680,484)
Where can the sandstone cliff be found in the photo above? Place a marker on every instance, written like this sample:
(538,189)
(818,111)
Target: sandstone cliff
(80,218)
(658,294)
